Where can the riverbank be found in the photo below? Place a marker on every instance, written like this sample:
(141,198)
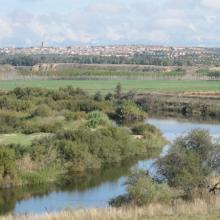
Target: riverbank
(95,189)
(60,134)
(199,209)
(203,106)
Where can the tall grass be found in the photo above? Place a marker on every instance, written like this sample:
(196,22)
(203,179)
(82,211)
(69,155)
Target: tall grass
(208,209)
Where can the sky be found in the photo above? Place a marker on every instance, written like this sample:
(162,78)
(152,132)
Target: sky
(25,23)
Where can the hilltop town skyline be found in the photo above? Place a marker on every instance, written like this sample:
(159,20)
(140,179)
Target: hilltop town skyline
(113,50)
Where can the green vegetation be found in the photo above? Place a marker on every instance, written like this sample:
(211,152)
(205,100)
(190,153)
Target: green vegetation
(108,72)
(202,106)
(18,138)
(212,74)
(84,149)
(56,135)
(186,166)
(7,165)
(105,86)
(128,111)
(97,118)
(146,132)
(118,91)
(47,135)
(158,58)
(184,173)
(142,190)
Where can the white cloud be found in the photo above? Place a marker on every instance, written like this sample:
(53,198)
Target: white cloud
(213,4)
(70,22)
(107,8)
(113,34)
(210,19)
(5,29)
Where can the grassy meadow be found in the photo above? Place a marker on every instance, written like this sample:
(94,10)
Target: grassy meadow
(18,138)
(106,86)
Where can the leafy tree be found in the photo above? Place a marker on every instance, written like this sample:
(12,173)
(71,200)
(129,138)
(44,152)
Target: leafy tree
(142,190)
(118,91)
(186,166)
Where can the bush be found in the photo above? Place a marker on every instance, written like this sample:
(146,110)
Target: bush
(30,127)
(42,111)
(97,118)
(69,116)
(78,157)
(83,148)
(109,97)
(87,105)
(142,190)
(98,97)
(128,111)
(118,91)
(186,166)
(7,162)
(9,121)
(146,130)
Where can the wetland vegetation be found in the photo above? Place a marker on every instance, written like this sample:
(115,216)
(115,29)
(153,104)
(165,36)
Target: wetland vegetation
(67,132)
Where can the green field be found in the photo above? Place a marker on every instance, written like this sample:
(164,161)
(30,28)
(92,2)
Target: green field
(108,85)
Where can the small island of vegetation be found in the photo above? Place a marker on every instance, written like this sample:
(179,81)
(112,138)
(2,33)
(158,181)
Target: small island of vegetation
(63,133)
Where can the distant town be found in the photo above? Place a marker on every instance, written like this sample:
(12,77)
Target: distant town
(114,50)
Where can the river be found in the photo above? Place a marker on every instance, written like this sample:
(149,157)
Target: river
(94,190)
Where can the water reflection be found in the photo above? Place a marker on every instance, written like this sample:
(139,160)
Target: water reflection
(171,129)
(94,189)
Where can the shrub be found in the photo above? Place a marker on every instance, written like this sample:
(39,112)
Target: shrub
(128,111)
(97,118)
(186,167)
(145,129)
(109,97)
(9,121)
(83,148)
(42,111)
(69,116)
(29,127)
(78,158)
(142,190)
(118,91)
(98,96)
(7,162)
(87,105)
(50,127)
(198,140)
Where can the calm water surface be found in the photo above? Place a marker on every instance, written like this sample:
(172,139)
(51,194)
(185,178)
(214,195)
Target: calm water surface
(93,190)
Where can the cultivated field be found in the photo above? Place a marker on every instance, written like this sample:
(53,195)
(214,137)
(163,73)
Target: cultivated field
(109,85)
